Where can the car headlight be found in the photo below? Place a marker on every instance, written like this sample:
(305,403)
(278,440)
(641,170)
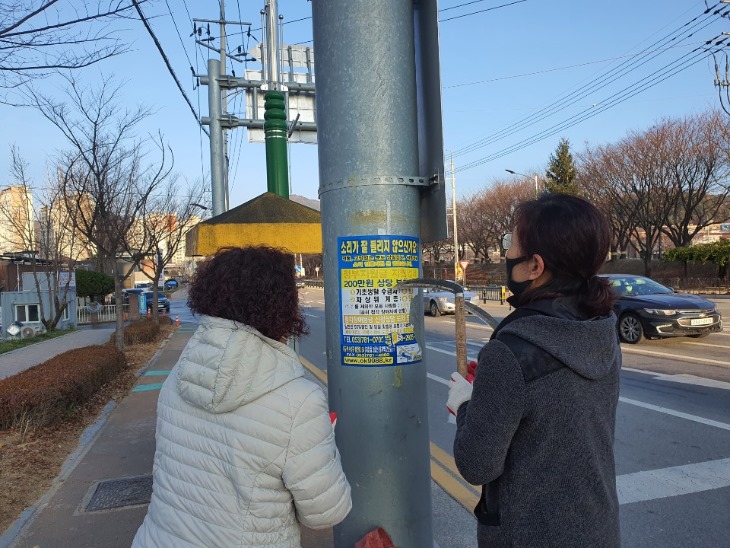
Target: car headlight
(660,312)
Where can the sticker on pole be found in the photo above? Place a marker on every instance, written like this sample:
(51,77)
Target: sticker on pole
(373,314)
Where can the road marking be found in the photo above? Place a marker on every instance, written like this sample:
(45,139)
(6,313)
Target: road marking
(160,373)
(674,481)
(637,403)
(673,413)
(314,370)
(705,344)
(674,356)
(470,324)
(683,378)
(455,489)
(311,315)
(636,487)
(437,378)
(448,353)
(147,387)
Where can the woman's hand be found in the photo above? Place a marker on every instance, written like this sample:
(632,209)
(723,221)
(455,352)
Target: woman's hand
(459,392)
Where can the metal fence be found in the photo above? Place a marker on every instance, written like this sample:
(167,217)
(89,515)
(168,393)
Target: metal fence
(492,292)
(106,313)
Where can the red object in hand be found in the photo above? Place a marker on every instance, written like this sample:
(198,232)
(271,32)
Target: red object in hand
(471,371)
(377,538)
(333,418)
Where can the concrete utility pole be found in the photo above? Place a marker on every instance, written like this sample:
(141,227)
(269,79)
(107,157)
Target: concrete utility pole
(276,127)
(217,153)
(377,89)
(224,101)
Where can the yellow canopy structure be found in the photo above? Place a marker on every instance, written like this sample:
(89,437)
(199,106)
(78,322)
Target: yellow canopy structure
(268,219)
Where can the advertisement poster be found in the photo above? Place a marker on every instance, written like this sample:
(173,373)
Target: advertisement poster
(373,314)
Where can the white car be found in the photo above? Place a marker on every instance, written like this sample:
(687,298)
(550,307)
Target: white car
(437,301)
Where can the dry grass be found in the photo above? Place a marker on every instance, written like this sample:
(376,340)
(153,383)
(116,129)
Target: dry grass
(29,463)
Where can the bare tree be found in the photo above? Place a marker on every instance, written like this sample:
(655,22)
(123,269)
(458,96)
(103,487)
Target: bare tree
(47,232)
(108,176)
(41,36)
(601,175)
(166,219)
(699,169)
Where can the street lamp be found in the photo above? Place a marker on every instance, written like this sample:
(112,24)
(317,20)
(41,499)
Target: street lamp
(200,206)
(523,175)
(453,213)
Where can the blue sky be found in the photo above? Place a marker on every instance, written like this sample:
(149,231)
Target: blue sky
(498,69)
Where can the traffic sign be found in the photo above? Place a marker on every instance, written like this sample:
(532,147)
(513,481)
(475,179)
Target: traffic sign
(464,264)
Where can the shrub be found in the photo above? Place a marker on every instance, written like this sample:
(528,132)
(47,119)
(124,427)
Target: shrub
(49,391)
(141,332)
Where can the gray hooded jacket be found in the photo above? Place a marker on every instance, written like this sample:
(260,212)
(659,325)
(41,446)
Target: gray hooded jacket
(538,432)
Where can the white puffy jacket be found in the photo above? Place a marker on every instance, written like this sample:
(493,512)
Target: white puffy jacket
(245,447)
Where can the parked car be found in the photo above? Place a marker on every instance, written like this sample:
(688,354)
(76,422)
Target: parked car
(437,301)
(171,284)
(647,309)
(163,303)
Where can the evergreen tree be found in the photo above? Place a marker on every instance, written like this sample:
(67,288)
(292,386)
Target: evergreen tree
(561,172)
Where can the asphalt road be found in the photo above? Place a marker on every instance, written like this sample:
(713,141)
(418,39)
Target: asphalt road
(672,432)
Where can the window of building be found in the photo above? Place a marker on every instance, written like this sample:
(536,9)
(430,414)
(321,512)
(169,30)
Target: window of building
(26,313)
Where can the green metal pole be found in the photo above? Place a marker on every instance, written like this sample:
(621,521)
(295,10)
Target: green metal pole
(275,133)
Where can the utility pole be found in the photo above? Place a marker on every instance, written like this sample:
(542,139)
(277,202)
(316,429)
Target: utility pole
(218,189)
(224,101)
(217,81)
(377,175)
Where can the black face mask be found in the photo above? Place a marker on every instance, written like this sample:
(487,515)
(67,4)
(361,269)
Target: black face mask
(517,288)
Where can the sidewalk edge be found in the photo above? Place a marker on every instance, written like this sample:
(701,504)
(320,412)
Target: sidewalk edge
(89,435)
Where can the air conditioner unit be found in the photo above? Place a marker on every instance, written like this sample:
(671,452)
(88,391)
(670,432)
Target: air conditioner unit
(27,332)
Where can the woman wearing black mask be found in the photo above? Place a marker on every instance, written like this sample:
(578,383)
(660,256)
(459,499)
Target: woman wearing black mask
(536,428)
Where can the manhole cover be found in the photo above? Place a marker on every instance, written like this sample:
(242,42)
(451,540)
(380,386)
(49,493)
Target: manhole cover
(120,492)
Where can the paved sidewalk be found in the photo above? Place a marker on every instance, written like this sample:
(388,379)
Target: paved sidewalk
(101,496)
(21,359)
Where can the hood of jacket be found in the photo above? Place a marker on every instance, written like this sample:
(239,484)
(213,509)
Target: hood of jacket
(587,346)
(227,364)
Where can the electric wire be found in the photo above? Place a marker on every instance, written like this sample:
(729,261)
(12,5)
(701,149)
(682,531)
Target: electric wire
(462,5)
(610,76)
(659,76)
(167,3)
(482,11)
(583,115)
(579,94)
(167,63)
(566,67)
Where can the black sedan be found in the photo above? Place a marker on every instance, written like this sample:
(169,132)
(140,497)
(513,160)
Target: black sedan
(648,309)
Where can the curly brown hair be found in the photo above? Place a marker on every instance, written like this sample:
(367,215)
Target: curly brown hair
(252,285)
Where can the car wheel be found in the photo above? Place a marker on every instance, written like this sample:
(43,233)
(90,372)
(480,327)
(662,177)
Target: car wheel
(699,335)
(434,309)
(630,329)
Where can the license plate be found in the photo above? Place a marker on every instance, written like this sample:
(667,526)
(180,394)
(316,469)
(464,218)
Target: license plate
(701,321)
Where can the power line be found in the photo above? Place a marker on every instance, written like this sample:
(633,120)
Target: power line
(587,89)
(566,67)
(178,33)
(627,93)
(462,5)
(167,63)
(481,11)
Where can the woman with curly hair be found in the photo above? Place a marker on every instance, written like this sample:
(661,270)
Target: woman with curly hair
(245,448)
